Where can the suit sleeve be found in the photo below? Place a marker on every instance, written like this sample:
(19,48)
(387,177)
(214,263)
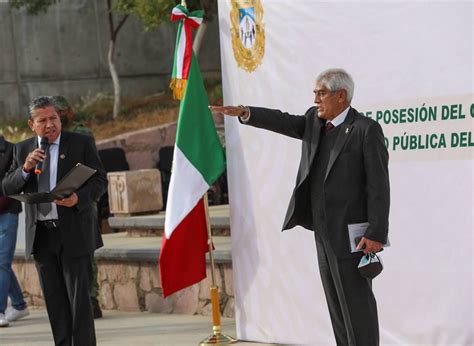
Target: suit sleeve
(14,182)
(278,121)
(6,162)
(95,187)
(378,185)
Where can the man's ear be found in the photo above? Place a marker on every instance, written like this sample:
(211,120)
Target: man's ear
(70,114)
(342,96)
(30,124)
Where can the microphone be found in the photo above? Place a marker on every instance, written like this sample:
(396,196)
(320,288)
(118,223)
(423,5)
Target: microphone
(43,145)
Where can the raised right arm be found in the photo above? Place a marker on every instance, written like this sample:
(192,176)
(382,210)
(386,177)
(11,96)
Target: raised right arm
(277,121)
(269,119)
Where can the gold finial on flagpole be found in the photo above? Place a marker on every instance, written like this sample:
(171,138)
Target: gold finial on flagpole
(217,338)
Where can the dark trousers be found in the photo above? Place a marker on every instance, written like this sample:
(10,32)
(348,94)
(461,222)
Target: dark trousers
(349,296)
(65,282)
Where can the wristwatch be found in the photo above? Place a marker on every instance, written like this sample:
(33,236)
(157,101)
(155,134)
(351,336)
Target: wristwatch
(245,112)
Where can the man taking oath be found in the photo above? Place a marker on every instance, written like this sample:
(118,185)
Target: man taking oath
(342,179)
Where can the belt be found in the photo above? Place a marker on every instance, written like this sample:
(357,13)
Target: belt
(48,224)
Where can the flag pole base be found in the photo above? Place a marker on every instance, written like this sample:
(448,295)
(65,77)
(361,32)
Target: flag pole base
(217,339)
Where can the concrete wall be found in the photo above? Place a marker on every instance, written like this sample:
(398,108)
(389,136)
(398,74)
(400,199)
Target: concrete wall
(142,147)
(64,51)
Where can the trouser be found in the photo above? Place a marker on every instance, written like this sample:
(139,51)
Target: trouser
(9,286)
(349,296)
(94,289)
(65,282)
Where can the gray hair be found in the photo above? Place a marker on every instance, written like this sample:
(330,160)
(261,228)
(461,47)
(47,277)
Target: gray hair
(41,102)
(335,79)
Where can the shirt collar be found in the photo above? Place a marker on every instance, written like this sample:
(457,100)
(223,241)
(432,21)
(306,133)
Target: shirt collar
(340,118)
(55,142)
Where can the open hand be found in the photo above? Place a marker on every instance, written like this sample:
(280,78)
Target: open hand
(234,111)
(70,201)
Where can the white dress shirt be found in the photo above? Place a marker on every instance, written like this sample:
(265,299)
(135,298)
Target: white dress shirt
(340,118)
(53,174)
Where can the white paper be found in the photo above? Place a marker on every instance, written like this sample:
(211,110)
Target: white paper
(357,230)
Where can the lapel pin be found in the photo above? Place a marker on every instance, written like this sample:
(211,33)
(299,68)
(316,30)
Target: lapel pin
(347,131)
(62,156)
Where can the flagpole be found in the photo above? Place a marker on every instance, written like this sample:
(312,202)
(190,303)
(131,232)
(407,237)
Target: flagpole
(217,338)
(187,21)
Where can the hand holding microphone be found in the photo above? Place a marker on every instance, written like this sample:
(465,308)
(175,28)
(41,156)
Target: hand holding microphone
(35,159)
(43,146)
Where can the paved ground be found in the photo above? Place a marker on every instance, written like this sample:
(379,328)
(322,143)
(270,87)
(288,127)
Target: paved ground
(130,328)
(122,328)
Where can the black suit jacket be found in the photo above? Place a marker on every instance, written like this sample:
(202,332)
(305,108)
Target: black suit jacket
(77,224)
(356,187)
(6,157)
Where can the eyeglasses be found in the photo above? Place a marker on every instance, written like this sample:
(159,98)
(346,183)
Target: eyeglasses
(322,93)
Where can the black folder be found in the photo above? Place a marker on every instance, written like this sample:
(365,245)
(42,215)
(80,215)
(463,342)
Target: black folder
(73,180)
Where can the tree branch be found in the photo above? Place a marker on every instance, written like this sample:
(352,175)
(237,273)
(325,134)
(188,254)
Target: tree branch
(119,26)
(111,19)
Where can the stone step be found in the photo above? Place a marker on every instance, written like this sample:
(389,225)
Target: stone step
(128,277)
(121,247)
(153,224)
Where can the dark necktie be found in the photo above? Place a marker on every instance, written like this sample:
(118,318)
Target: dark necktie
(329,126)
(43,183)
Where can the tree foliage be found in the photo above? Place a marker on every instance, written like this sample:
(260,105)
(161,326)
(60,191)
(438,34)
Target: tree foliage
(33,7)
(153,13)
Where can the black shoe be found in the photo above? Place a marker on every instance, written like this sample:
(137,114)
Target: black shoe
(96,308)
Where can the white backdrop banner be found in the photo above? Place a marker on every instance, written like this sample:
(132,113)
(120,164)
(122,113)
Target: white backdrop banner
(412,66)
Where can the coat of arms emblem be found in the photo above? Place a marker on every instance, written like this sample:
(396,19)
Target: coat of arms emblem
(248,33)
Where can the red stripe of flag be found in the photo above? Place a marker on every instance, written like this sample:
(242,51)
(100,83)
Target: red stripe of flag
(183,259)
(188,51)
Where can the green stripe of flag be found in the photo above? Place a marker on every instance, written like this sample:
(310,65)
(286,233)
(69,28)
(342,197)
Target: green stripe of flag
(196,134)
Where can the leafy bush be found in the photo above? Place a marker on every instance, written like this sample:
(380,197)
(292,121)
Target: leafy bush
(14,134)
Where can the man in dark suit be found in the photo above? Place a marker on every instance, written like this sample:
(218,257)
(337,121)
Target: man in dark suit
(66,115)
(62,236)
(342,179)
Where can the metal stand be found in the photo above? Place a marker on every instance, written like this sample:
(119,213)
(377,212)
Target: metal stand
(217,338)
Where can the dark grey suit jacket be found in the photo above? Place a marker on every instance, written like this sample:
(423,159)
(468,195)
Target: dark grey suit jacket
(356,187)
(6,157)
(78,225)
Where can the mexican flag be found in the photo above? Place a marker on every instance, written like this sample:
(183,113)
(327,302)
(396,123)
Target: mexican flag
(198,161)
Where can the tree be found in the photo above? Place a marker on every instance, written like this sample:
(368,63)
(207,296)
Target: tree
(151,12)
(113,31)
(34,7)
(154,13)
